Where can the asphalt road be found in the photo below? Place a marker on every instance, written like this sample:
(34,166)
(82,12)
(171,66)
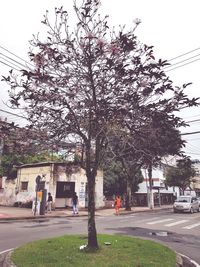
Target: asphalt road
(178,231)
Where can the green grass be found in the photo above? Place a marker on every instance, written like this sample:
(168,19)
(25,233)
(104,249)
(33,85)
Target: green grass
(123,252)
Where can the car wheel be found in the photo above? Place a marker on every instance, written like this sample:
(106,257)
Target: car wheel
(199,209)
(175,211)
(191,210)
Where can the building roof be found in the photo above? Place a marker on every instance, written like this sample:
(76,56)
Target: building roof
(47,163)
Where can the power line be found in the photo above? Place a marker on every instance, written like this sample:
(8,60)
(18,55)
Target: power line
(15,55)
(190,133)
(13,114)
(9,65)
(181,61)
(193,121)
(183,65)
(184,54)
(13,60)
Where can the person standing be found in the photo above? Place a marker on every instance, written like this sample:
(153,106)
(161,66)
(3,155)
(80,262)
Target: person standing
(75,203)
(49,203)
(117,205)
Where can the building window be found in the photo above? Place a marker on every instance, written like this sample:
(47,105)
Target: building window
(65,189)
(24,186)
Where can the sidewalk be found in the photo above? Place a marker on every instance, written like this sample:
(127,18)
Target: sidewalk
(16,213)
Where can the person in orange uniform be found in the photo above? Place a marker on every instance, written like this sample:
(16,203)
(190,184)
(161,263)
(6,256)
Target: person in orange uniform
(117,205)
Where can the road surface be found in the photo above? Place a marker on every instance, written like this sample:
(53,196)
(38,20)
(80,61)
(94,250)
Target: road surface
(178,231)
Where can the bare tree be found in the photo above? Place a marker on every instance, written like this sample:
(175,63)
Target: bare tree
(90,81)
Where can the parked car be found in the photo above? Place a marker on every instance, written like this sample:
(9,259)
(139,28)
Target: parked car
(199,202)
(186,204)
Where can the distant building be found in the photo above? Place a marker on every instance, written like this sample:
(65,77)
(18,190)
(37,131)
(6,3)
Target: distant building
(163,194)
(196,181)
(60,179)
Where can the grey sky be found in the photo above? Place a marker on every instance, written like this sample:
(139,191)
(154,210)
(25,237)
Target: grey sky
(171,26)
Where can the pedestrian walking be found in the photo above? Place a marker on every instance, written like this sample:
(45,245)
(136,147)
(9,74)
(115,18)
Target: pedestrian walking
(117,205)
(49,203)
(75,203)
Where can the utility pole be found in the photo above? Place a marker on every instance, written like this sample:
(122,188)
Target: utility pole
(37,180)
(1,149)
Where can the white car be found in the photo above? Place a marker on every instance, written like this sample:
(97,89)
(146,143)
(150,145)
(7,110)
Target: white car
(186,204)
(198,199)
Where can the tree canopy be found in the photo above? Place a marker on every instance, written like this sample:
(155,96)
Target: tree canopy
(181,175)
(20,146)
(115,179)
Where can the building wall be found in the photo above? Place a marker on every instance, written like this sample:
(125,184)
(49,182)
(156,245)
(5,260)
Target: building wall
(7,194)
(158,181)
(51,174)
(29,175)
(196,183)
(78,176)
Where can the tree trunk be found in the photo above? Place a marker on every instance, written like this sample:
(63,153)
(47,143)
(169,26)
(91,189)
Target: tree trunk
(128,196)
(151,198)
(1,149)
(92,234)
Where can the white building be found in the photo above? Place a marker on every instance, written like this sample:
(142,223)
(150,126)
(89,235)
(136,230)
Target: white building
(60,179)
(162,193)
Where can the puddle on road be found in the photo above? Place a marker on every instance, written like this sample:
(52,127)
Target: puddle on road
(163,233)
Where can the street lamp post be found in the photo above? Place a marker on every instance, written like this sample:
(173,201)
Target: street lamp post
(37,180)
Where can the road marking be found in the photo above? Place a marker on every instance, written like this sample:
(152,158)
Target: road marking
(191,226)
(160,221)
(129,216)
(150,219)
(175,223)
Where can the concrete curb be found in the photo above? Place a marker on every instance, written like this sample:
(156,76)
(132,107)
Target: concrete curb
(22,218)
(98,213)
(188,262)
(5,260)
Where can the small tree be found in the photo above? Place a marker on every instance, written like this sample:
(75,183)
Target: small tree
(181,175)
(21,145)
(122,147)
(115,178)
(89,81)
(163,140)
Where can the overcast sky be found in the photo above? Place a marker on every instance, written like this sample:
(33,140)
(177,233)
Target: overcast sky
(171,26)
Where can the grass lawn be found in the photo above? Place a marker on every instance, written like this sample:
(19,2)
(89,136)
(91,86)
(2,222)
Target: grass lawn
(122,252)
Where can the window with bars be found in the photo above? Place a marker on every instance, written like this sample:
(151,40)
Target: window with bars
(24,186)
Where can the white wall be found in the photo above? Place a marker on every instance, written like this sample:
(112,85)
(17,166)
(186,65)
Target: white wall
(157,173)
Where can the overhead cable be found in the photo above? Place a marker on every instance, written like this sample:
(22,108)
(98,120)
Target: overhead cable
(183,65)
(14,114)
(193,121)
(181,61)
(8,61)
(190,133)
(15,55)
(13,60)
(184,54)
(9,65)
